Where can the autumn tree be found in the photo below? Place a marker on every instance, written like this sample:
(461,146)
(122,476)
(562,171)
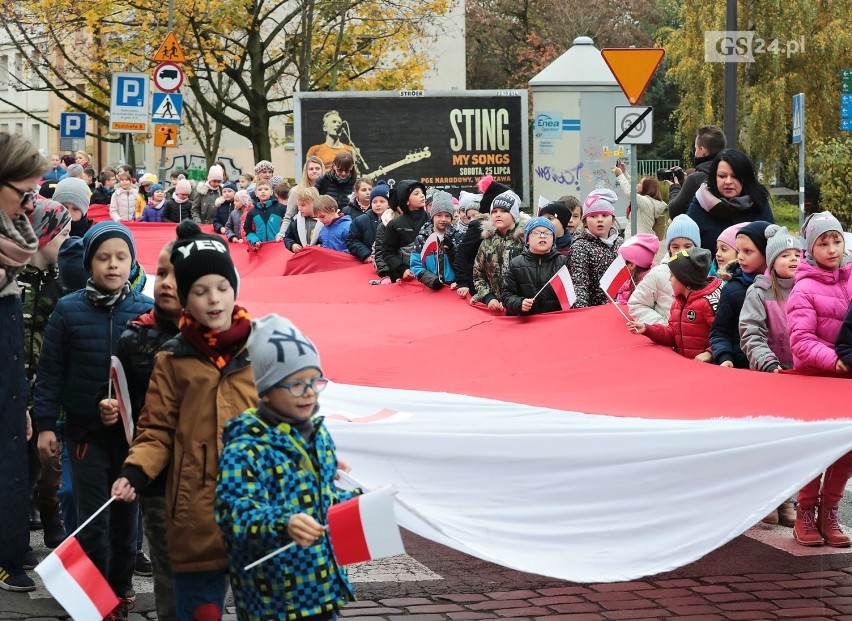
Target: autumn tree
(244,57)
(510,41)
(782,67)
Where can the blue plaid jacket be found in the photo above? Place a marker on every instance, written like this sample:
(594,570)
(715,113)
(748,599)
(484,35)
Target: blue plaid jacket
(266,475)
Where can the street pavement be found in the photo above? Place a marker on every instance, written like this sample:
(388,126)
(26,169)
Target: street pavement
(759,575)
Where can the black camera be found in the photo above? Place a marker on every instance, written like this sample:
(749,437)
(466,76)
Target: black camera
(665,174)
(675,173)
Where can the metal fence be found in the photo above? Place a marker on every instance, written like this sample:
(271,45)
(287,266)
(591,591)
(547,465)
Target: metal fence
(648,168)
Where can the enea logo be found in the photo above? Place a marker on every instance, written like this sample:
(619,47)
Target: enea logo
(548,125)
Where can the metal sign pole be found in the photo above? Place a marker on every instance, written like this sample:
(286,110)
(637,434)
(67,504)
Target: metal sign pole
(161,174)
(634,180)
(802,170)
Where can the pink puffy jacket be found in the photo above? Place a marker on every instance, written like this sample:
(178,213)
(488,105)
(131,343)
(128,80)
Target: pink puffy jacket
(815,312)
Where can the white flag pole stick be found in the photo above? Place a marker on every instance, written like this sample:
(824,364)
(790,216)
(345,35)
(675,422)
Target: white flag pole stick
(93,516)
(617,307)
(269,556)
(545,284)
(272,554)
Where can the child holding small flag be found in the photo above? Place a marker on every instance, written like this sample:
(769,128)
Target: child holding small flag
(595,248)
(525,290)
(276,484)
(137,347)
(434,248)
(695,300)
(201,379)
(89,323)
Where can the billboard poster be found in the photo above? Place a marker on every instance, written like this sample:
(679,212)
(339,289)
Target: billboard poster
(445,139)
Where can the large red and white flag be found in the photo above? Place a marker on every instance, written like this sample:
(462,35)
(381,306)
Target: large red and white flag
(76,583)
(429,247)
(563,287)
(615,275)
(364,528)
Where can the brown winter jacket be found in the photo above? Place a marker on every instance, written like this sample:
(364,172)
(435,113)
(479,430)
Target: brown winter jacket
(187,404)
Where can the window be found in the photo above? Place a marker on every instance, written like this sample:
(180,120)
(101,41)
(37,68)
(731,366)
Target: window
(19,67)
(4,72)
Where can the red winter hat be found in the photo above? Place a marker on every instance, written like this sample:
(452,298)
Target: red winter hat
(49,219)
(640,249)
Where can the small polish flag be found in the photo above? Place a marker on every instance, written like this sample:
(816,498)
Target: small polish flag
(75,582)
(119,382)
(429,247)
(364,528)
(563,287)
(615,275)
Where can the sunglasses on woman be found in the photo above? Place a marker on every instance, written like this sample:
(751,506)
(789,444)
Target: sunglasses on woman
(26,197)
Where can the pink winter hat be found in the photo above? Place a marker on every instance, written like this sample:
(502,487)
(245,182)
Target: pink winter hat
(216,173)
(183,186)
(640,249)
(600,201)
(729,235)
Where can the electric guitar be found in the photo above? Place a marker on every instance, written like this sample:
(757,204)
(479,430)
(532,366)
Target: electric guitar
(414,156)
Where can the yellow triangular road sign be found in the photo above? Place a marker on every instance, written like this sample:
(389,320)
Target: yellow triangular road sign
(633,68)
(170,50)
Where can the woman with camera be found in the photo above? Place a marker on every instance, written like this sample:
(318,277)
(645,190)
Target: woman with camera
(649,202)
(731,195)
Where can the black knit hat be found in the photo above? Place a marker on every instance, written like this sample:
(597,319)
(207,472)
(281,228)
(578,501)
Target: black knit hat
(200,255)
(490,190)
(756,232)
(560,210)
(691,266)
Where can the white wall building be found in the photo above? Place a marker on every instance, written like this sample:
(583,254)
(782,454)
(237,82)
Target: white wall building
(13,72)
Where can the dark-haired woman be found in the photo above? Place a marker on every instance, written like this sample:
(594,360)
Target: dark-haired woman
(730,196)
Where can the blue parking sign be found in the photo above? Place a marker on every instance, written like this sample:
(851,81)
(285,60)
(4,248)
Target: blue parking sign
(72,125)
(129,102)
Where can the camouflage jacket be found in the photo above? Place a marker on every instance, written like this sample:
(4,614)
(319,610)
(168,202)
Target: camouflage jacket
(492,260)
(40,290)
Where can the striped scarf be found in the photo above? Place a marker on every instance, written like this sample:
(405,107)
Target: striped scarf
(18,243)
(218,345)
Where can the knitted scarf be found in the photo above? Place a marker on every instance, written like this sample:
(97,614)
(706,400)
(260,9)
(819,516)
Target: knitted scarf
(218,345)
(18,243)
(99,298)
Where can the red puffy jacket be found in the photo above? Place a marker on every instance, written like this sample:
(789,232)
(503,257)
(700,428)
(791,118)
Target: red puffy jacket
(688,330)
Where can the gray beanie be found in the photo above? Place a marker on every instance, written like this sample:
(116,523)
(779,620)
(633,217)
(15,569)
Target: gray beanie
(691,267)
(815,225)
(75,191)
(778,240)
(278,349)
(509,201)
(441,202)
(74,170)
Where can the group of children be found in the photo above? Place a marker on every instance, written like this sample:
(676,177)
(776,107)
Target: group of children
(772,305)
(209,476)
(196,361)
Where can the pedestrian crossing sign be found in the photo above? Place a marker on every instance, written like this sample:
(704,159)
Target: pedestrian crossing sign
(165,135)
(167,108)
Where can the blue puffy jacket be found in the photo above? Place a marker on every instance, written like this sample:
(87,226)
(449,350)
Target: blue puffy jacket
(334,235)
(74,366)
(263,221)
